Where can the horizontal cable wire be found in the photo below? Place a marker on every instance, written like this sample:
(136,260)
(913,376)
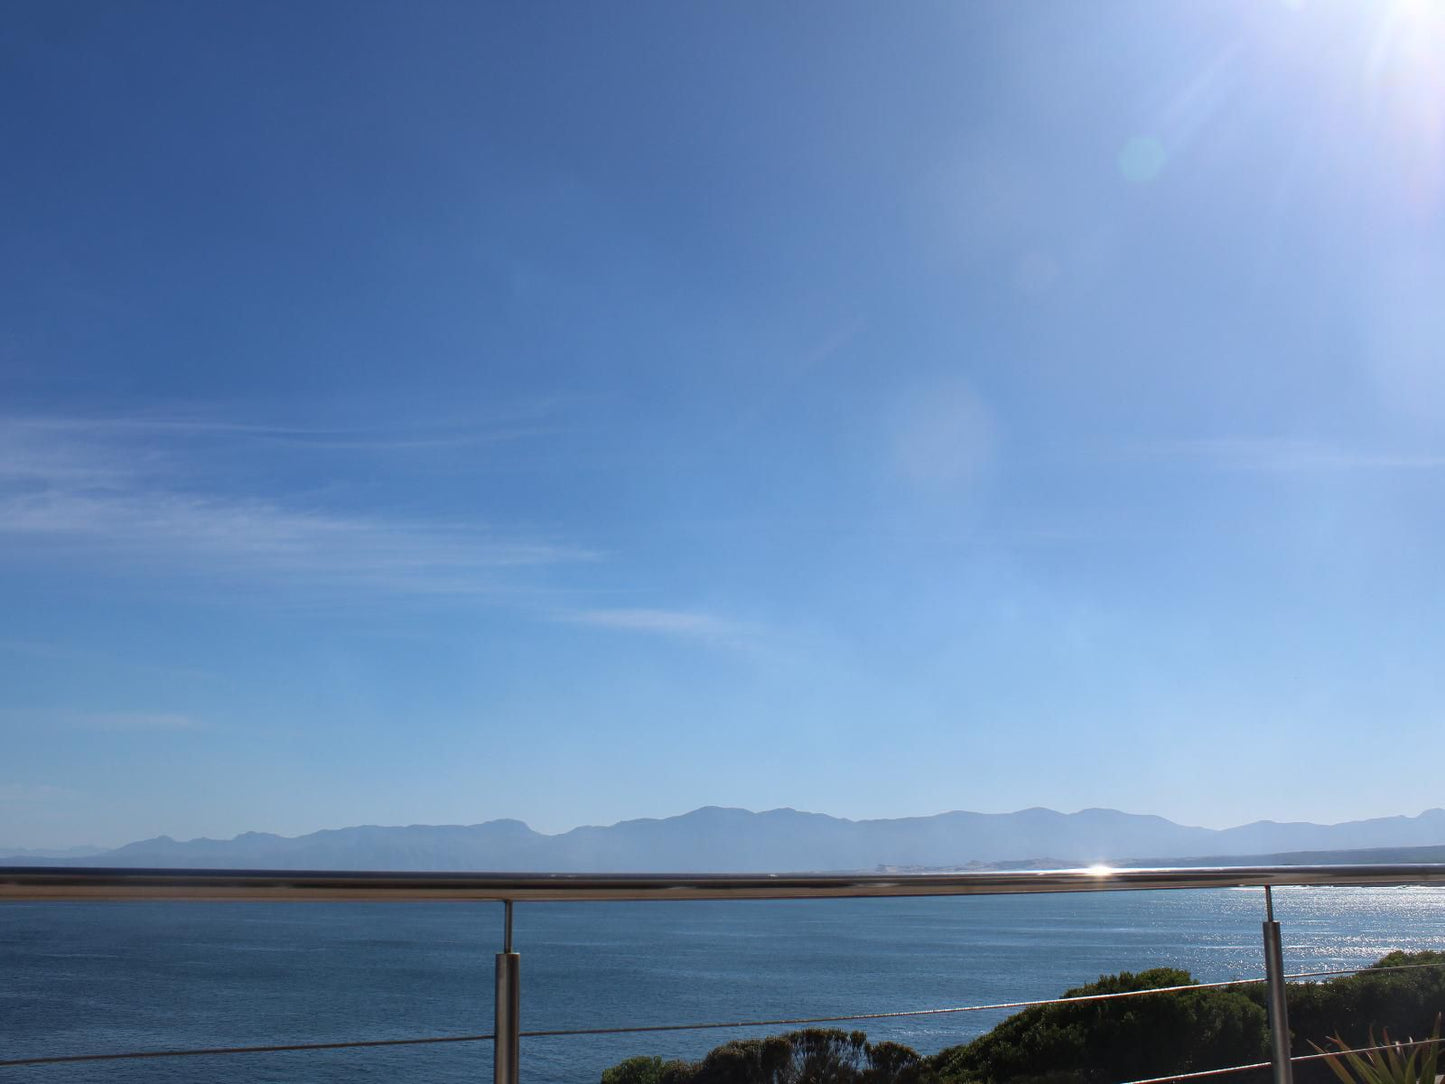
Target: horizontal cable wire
(889,1015)
(138,1054)
(716,1025)
(558,1032)
(1202,1073)
(1358,971)
(953,1009)
(1406,1045)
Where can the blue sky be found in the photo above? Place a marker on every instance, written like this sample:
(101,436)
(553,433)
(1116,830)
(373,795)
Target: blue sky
(433,413)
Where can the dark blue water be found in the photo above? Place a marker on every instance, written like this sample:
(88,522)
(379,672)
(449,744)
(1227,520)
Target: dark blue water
(96,977)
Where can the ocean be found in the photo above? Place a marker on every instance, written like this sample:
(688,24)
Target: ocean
(96,977)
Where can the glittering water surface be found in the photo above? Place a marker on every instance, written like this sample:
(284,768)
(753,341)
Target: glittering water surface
(96,977)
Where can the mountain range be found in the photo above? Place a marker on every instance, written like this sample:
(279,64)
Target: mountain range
(715,839)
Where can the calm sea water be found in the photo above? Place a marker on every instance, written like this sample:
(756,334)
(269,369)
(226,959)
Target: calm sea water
(96,977)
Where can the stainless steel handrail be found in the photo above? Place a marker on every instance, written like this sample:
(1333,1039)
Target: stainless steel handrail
(103,883)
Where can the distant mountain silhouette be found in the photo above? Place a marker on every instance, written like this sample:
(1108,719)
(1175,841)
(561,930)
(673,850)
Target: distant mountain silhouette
(714,839)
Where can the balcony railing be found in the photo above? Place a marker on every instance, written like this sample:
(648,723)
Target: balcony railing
(95,884)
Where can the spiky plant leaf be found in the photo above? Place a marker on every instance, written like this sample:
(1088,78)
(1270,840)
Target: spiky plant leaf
(1385,1062)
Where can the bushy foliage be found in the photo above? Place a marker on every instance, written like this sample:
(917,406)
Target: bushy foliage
(1406,1002)
(1122,1039)
(645,1070)
(814,1056)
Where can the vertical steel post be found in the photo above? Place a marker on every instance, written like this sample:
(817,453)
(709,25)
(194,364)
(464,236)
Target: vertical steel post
(506,1043)
(1278,1008)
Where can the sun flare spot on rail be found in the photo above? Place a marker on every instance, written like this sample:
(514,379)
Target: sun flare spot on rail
(1099,869)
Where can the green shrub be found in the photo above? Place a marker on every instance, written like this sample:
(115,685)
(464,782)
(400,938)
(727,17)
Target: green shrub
(1347,1008)
(638,1070)
(814,1056)
(1102,1042)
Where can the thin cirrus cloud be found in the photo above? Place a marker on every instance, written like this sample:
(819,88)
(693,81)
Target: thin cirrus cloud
(132,721)
(678,623)
(1294,455)
(121,491)
(130,496)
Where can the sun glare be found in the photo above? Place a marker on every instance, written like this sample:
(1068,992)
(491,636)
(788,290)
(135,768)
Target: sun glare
(1405,82)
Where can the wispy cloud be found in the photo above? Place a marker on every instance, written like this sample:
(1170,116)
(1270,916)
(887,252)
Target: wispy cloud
(680,623)
(120,491)
(128,721)
(146,496)
(230,535)
(1292,454)
(519,423)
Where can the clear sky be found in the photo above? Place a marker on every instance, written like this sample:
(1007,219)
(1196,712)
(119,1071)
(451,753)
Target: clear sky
(428,413)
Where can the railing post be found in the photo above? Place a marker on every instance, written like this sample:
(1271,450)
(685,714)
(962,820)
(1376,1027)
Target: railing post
(1278,1008)
(506,1043)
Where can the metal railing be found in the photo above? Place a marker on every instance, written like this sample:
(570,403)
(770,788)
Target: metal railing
(61,884)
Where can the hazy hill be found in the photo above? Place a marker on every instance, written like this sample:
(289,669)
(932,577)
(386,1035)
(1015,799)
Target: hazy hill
(714,839)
